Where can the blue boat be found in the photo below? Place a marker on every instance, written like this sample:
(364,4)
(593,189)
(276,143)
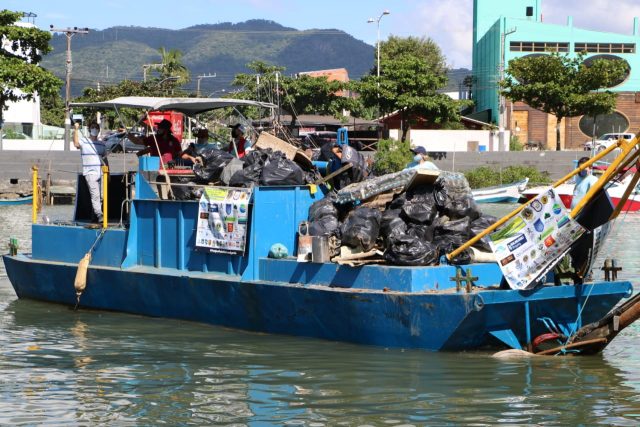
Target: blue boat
(505,193)
(25,200)
(152,267)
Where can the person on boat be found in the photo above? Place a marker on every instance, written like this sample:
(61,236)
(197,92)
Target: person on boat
(584,180)
(194,150)
(168,147)
(93,154)
(421,160)
(240,144)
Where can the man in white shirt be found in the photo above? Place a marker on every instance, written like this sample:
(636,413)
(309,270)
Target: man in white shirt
(93,157)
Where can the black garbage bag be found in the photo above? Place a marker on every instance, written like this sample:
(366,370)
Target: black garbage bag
(421,231)
(398,201)
(409,250)
(452,234)
(214,162)
(455,227)
(324,226)
(183,192)
(259,156)
(322,208)
(420,210)
(451,243)
(454,197)
(240,179)
(281,171)
(361,228)
(477,227)
(391,224)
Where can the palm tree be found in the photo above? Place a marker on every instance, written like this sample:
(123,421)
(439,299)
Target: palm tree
(172,66)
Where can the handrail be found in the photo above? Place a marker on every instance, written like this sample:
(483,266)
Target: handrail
(105,196)
(626,147)
(34,194)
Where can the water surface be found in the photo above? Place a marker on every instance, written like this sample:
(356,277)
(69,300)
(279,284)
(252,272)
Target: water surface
(60,367)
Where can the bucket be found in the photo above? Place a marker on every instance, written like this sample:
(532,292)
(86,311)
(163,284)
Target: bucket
(320,249)
(304,242)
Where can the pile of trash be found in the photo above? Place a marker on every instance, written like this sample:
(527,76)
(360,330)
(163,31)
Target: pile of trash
(420,222)
(271,162)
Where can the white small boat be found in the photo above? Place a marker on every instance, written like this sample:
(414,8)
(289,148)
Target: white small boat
(506,193)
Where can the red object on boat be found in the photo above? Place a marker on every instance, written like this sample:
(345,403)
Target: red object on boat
(174,117)
(615,191)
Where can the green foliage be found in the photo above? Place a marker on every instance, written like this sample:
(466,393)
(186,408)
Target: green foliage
(52,110)
(172,66)
(485,176)
(19,65)
(514,143)
(563,86)
(299,94)
(392,156)
(412,71)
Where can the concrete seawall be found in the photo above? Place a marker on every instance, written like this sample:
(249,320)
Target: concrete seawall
(64,166)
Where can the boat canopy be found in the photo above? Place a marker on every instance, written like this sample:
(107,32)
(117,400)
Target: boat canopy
(189,106)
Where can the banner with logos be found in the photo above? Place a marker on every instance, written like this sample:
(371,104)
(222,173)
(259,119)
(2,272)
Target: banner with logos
(532,242)
(223,215)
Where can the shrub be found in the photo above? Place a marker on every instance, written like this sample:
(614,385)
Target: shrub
(391,156)
(514,143)
(485,176)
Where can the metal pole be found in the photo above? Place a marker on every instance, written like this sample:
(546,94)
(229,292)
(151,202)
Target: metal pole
(67,95)
(378,42)
(69,32)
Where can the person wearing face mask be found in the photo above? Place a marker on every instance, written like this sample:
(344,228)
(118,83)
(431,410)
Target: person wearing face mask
(240,144)
(421,160)
(168,147)
(584,180)
(93,154)
(194,150)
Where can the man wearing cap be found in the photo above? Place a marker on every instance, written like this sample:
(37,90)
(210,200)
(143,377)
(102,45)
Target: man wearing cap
(421,160)
(168,147)
(584,180)
(240,144)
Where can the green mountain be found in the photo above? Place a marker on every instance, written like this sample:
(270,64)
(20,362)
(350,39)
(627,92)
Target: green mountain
(113,54)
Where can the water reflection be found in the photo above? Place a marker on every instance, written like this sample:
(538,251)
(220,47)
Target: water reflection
(90,367)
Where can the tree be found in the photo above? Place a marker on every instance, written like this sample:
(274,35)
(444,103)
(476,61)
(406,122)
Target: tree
(20,76)
(412,71)
(391,156)
(298,94)
(563,86)
(172,66)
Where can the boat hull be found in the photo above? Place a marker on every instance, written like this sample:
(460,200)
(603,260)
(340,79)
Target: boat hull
(508,193)
(428,320)
(17,201)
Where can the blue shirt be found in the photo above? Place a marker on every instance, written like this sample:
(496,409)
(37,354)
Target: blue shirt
(426,164)
(583,184)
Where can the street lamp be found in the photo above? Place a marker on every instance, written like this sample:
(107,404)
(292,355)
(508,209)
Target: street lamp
(377,21)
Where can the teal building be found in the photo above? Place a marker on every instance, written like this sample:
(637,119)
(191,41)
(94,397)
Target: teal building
(504,30)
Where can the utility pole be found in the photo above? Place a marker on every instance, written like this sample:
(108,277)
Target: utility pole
(204,76)
(145,67)
(69,32)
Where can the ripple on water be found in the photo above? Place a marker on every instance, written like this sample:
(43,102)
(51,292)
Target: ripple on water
(60,367)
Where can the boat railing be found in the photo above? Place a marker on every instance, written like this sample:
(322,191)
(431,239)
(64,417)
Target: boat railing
(629,154)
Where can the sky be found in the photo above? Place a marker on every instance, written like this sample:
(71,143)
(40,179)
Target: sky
(448,22)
